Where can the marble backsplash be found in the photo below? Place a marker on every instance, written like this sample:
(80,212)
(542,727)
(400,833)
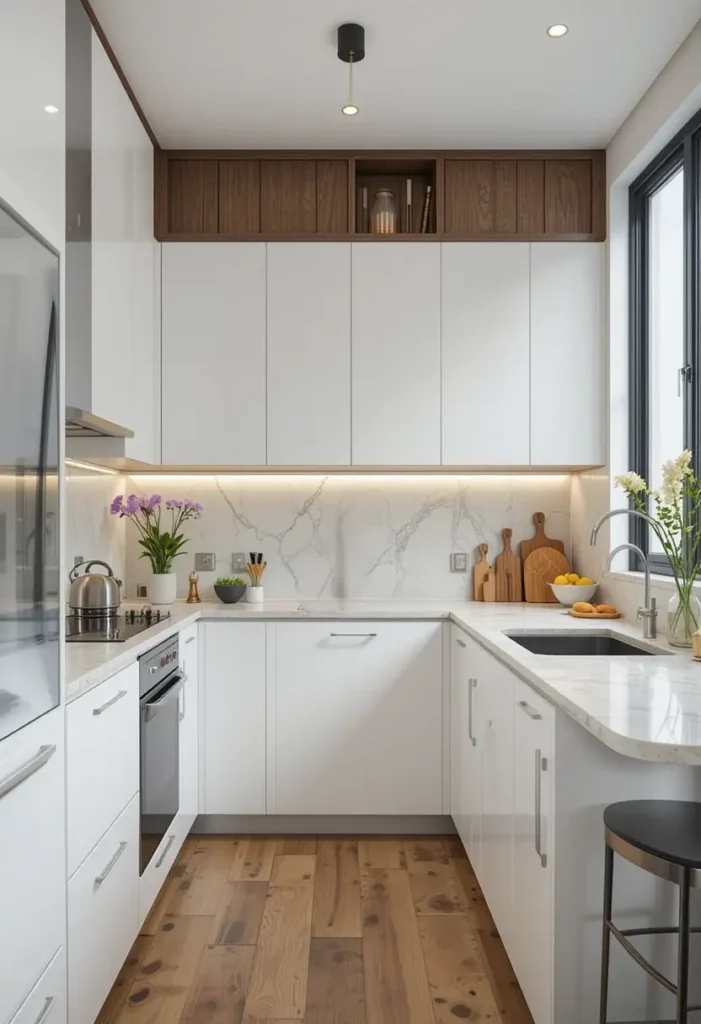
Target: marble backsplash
(355,537)
(90,531)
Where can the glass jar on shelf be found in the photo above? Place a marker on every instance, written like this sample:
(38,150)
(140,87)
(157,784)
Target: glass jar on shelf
(383,215)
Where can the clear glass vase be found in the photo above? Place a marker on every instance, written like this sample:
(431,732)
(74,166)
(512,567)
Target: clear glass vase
(683,618)
(383,215)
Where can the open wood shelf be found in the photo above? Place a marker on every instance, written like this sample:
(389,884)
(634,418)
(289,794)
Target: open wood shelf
(316,196)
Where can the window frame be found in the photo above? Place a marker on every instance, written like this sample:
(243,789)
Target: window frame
(682,152)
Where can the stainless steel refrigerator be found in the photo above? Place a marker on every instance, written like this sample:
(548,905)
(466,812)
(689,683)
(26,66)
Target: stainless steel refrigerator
(29,482)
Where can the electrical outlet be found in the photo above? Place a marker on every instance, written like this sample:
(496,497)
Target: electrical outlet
(458,561)
(141,590)
(78,560)
(205,562)
(239,561)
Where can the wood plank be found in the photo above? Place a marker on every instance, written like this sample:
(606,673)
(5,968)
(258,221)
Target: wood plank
(206,873)
(305,845)
(220,985)
(239,197)
(336,910)
(112,1007)
(434,887)
(288,196)
(505,188)
(456,974)
(185,195)
(332,196)
(336,987)
(381,853)
(568,196)
(476,907)
(279,982)
(253,859)
(396,985)
(210,196)
(454,847)
(240,913)
(160,991)
(531,197)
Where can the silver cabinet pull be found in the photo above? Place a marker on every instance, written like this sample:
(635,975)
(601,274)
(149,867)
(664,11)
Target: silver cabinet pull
(472,684)
(171,840)
(541,765)
(190,639)
(103,874)
(182,704)
(353,634)
(460,642)
(22,773)
(531,712)
(45,1010)
(154,707)
(109,703)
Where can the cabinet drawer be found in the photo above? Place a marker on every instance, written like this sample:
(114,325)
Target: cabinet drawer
(102,764)
(32,856)
(102,915)
(47,1001)
(160,864)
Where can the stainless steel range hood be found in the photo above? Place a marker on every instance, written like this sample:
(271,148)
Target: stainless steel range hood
(81,423)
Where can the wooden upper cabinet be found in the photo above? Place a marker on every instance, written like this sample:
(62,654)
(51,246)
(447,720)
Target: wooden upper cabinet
(476,196)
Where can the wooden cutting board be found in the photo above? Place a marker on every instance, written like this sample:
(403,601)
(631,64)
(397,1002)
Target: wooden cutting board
(594,615)
(489,587)
(540,569)
(508,572)
(480,573)
(540,540)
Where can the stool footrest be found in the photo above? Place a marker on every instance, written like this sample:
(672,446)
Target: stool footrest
(640,959)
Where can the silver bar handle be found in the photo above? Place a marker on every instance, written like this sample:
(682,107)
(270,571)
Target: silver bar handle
(103,874)
(472,684)
(27,769)
(182,703)
(530,711)
(540,766)
(353,634)
(109,703)
(190,639)
(171,840)
(460,642)
(153,708)
(45,1010)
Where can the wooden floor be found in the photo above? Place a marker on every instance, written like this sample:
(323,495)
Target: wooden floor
(327,931)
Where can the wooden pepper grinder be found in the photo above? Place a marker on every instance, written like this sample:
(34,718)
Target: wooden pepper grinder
(193,596)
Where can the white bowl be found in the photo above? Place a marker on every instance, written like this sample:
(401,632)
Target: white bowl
(569,595)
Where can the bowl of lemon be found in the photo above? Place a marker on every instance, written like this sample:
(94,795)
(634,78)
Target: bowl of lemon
(570,588)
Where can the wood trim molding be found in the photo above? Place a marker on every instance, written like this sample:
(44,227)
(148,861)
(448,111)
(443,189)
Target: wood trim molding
(120,74)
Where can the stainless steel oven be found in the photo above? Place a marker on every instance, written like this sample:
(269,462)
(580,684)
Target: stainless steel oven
(160,685)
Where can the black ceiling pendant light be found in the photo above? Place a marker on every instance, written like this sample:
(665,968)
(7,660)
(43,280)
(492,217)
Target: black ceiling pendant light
(351,49)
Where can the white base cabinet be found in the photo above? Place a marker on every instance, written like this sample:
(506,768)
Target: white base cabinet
(48,1000)
(102,916)
(355,718)
(32,856)
(232,740)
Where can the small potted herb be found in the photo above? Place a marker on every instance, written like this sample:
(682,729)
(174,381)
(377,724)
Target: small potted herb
(230,589)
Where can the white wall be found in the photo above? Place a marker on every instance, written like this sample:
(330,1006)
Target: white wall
(90,531)
(667,105)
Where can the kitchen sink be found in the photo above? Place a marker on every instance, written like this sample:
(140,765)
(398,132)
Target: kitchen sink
(579,644)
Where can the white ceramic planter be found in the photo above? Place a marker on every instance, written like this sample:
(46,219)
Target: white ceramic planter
(163,588)
(254,595)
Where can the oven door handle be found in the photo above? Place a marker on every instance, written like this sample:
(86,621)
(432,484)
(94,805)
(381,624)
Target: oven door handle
(151,710)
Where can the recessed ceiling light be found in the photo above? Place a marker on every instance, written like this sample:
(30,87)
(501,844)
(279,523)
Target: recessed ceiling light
(350,109)
(557,31)
(51,109)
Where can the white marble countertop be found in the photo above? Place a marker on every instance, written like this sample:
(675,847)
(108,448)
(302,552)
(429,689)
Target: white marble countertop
(644,707)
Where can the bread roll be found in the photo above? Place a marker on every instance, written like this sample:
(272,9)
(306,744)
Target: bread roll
(584,606)
(607,609)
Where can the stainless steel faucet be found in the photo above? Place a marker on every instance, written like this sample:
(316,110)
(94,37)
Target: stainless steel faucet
(649,613)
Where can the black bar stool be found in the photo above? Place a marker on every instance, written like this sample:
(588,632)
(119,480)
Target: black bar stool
(664,838)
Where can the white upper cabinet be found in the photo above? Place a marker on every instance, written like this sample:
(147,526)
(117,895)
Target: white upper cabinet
(213,353)
(125,309)
(396,347)
(567,378)
(485,367)
(309,354)
(32,141)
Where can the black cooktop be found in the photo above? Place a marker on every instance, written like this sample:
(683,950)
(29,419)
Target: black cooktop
(113,628)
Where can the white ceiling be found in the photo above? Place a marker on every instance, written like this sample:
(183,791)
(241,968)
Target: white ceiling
(447,74)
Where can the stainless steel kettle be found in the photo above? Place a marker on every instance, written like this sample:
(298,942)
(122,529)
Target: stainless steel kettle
(93,593)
